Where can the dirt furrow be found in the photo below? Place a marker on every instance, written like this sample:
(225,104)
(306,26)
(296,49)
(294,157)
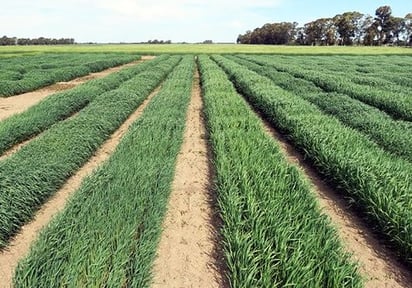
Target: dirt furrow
(187,253)
(378,265)
(19,246)
(19,103)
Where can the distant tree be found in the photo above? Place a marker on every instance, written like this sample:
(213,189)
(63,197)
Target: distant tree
(245,38)
(23,41)
(398,27)
(383,24)
(256,37)
(347,26)
(270,33)
(408,28)
(330,32)
(156,41)
(300,36)
(43,41)
(321,32)
(365,22)
(371,36)
(344,29)
(207,42)
(8,41)
(313,33)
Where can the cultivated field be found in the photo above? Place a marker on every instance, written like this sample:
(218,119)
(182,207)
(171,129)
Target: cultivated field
(210,169)
(153,49)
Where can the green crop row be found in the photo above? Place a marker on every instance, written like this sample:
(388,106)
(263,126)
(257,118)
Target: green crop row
(379,183)
(387,73)
(59,106)
(348,69)
(47,61)
(399,105)
(362,65)
(393,136)
(108,232)
(36,171)
(274,234)
(21,75)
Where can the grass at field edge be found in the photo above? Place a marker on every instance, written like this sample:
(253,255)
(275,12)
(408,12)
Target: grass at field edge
(156,49)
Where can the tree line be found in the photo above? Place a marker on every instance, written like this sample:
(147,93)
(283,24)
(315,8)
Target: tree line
(35,41)
(349,28)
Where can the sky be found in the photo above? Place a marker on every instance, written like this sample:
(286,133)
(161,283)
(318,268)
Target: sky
(104,21)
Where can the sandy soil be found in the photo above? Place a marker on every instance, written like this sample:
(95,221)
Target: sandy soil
(19,246)
(19,103)
(188,252)
(377,264)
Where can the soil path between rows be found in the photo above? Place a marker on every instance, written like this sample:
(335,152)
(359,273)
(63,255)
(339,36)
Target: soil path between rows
(378,265)
(20,244)
(188,253)
(19,103)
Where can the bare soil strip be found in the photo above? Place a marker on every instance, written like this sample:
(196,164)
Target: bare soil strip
(187,253)
(19,103)
(19,246)
(378,265)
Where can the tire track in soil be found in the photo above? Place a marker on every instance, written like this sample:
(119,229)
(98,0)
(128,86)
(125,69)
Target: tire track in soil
(19,246)
(188,254)
(19,103)
(377,264)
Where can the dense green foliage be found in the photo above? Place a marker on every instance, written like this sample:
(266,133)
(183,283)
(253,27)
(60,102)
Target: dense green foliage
(379,184)
(31,175)
(379,72)
(274,234)
(59,106)
(392,135)
(370,70)
(27,73)
(395,103)
(108,233)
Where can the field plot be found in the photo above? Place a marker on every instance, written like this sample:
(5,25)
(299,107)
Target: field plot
(348,118)
(389,133)
(273,231)
(378,182)
(41,167)
(391,99)
(156,49)
(26,73)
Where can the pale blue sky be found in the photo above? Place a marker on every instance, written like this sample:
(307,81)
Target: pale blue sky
(177,20)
